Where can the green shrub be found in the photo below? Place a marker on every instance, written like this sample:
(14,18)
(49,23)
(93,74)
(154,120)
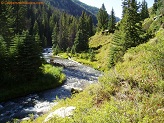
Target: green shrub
(144,64)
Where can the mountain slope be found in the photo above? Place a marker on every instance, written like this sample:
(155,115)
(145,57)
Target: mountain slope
(70,7)
(91,9)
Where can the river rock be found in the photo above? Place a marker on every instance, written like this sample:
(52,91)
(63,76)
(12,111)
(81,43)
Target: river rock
(61,112)
(25,119)
(76,90)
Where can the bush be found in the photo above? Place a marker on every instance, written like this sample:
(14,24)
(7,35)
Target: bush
(144,64)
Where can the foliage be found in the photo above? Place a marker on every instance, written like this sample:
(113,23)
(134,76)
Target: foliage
(130,92)
(91,55)
(129,34)
(3,56)
(144,10)
(51,77)
(78,44)
(55,37)
(102,17)
(112,21)
(26,57)
(56,50)
(144,64)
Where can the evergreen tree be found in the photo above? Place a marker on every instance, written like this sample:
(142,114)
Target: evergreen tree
(128,35)
(3,56)
(54,37)
(102,18)
(160,7)
(116,49)
(90,26)
(124,6)
(112,21)
(72,32)
(131,25)
(7,19)
(63,35)
(155,6)
(29,57)
(56,50)
(78,44)
(35,28)
(82,34)
(25,54)
(144,10)
(21,18)
(38,44)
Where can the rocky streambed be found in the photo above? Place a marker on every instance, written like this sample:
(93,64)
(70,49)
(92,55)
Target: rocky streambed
(78,76)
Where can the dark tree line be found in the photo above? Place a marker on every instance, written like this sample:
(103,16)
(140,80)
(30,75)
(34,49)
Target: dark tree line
(26,29)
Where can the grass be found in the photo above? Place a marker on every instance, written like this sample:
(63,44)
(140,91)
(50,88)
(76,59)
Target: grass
(51,78)
(100,45)
(132,91)
(145,64)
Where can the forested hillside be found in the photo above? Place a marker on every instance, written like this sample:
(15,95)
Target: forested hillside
(131,53)
(70,7)
(25,31)
(93,10)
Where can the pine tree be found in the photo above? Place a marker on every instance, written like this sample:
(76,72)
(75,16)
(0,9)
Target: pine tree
(25,54)
(78,44)
(7,19)
(112,21)
(63,35)
(102,18)
(144,10)
(161,7)
(56,50)
(155,6)
(20,22)
(55,37)
(131,25)
(35,28)
(82,34)
(3,56)
(38,44)
(90,26)
(128,35)
(72,32)
(124,6)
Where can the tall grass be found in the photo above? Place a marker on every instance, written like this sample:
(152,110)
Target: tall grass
(131,92)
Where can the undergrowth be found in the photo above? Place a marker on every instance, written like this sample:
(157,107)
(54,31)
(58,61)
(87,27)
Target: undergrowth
(131,92)
(51,77)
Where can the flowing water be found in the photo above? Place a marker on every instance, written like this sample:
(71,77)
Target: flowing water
(78,76)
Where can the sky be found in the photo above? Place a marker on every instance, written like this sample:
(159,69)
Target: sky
(116,4)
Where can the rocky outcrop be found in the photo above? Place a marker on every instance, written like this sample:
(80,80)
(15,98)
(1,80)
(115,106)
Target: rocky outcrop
(61,112)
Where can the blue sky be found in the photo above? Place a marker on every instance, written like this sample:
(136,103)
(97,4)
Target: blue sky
(116,4)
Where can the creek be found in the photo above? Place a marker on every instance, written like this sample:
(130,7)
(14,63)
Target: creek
(78,76)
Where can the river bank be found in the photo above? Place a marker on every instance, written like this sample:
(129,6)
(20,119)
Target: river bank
(78,76)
